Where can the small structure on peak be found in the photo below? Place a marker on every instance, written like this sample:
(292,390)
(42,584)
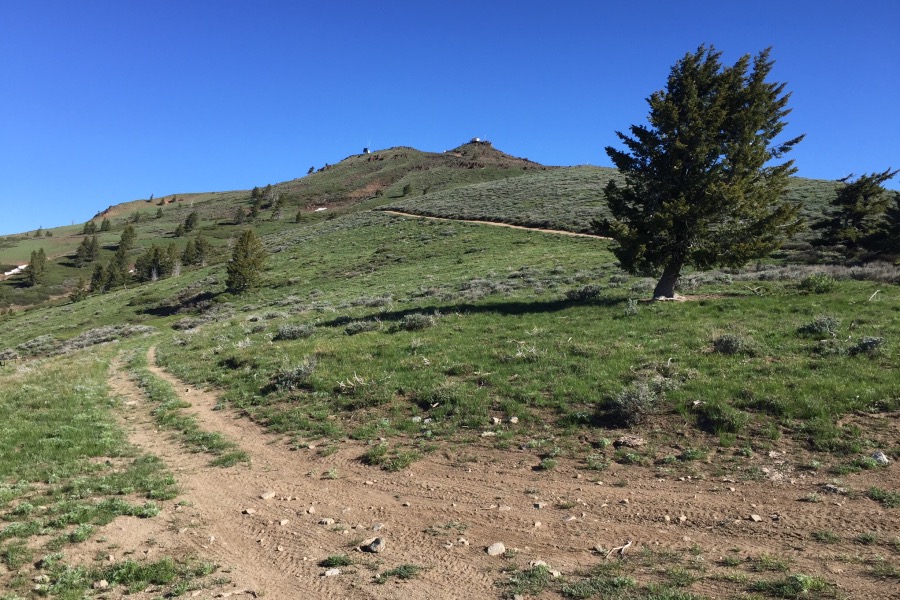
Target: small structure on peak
(476,140)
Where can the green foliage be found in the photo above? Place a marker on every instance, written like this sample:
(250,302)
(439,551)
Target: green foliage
(817,283)
(37,267)
(701,188)
(887,498)
(156,263)
(404,572)
(89,228)
(633,404)
(855,216)
(247,262)
(192,221)
(105,225)
(336,560)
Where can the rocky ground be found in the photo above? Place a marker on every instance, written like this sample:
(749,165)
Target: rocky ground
(468,515)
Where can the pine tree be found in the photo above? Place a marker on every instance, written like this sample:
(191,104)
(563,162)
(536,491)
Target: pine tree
(89,228)
(189,256)
(701,187)
(240,215)
(36,267)
(854,220)
(93,249)
(192,221)
(246,264)
(203,250)
(180,230)
(159,213)
(78,292)
(98,279)
(127,238)
(82,253)
(105,225)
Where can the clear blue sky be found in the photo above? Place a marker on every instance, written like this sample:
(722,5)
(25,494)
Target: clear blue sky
(108,101)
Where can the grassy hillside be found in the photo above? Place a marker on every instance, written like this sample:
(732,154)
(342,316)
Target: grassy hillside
(417,337)
(568,199)
(357,183)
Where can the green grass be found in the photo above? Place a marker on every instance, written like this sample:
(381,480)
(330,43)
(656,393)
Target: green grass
(403,572)
(65,466)
(168,415)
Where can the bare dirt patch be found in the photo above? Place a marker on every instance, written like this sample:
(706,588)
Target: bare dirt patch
(497,224)
(442,513)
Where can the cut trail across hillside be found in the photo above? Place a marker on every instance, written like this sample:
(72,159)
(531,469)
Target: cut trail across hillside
(271,525)
(498,224)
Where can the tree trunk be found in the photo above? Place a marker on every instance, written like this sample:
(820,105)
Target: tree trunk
(665,288)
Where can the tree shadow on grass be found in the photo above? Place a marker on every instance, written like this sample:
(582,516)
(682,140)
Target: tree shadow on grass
(508,308)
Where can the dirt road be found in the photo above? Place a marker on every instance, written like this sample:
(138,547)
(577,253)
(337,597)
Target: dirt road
(443,511)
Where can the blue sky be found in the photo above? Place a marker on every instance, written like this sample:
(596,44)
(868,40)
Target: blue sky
(108,101)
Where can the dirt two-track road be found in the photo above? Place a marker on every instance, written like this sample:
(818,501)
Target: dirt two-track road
(443,511)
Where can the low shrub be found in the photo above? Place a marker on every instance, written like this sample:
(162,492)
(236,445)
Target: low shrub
(290,331)
(415,322)
(294,378)
(632,405)
(721,418)
(824,325)
(731,344)
(584,293)
(870,346)
(362,326)
(817,283)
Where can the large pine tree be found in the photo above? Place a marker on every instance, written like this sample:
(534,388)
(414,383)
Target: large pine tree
(701,186)
(854,220)
(246,264)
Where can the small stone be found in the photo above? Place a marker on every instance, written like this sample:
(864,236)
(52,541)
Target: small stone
(416,419)
(462,541)
(731,489)
(496,420)
(377,526)
(667,518)
(880,458)
(375,545)
(496,549)
(406,504)
(629,441)
(284,522)
(100,585)
(280,548)
(267,495)
(555,574)
(833,489)
(369,483)
(570,518)
(537,523)
(331,572)
(488,434)
(326,521)
(623,501)
(249,511)
(504,508)
(211,539)
(682,519)
(448,545)
(755,518)
(514,420)
(311,510)
(540,505)
(538,563)
(685,539)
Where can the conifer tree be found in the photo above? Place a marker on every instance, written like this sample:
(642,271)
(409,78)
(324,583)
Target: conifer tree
(192,221)
(159,213)
(36,267)
(98,279)
(890,228)
(93,249)
(89,228)
(81,254)
(203,250)
(701,186)
(246,264)
(105,225)
(856,211)
(180,230)
(128,237)
(189,255)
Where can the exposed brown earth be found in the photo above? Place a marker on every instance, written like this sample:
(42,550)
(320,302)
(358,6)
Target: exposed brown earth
(481,495)
(498,224)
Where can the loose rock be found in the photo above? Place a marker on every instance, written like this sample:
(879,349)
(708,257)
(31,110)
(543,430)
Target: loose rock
(249,511)
(326,521)
(880,458)
(331,572)
(373,545)
(496,549)
(267,495)
(755,518)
